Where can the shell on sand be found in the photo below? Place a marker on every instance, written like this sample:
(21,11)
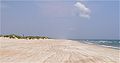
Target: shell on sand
(54,51)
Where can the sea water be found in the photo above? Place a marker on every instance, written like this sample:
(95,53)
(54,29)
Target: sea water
(105,43)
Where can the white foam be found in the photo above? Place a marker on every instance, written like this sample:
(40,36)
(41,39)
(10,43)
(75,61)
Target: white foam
(111,47)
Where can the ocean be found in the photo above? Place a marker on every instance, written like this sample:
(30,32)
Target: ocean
(115,44)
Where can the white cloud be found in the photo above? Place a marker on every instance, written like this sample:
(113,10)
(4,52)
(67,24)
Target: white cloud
(83,10)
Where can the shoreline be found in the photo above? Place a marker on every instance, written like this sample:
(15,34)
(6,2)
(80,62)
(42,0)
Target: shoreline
(105,46)
(55,51)
(97,44)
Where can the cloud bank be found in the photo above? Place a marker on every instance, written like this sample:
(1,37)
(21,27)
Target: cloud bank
(83,10)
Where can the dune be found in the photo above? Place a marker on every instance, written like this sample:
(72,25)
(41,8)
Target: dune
(54,51)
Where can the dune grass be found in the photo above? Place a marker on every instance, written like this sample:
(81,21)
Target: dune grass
(12,36)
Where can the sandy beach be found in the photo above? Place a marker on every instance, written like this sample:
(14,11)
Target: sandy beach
(54,51)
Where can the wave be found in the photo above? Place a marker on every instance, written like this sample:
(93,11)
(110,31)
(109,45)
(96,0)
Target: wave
(115,44)
(104,45)
(111,47)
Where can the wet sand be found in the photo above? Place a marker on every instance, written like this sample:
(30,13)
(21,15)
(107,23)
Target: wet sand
(54,51)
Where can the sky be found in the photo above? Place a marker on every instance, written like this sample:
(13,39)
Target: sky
(62,19)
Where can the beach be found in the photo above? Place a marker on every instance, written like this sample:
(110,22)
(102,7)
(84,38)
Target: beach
(54,51)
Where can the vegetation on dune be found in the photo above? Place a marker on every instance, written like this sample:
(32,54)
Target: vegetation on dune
(23,37)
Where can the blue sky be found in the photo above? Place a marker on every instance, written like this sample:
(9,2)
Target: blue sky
(61,18)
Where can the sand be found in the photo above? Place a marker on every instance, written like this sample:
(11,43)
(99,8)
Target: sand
(54,51)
